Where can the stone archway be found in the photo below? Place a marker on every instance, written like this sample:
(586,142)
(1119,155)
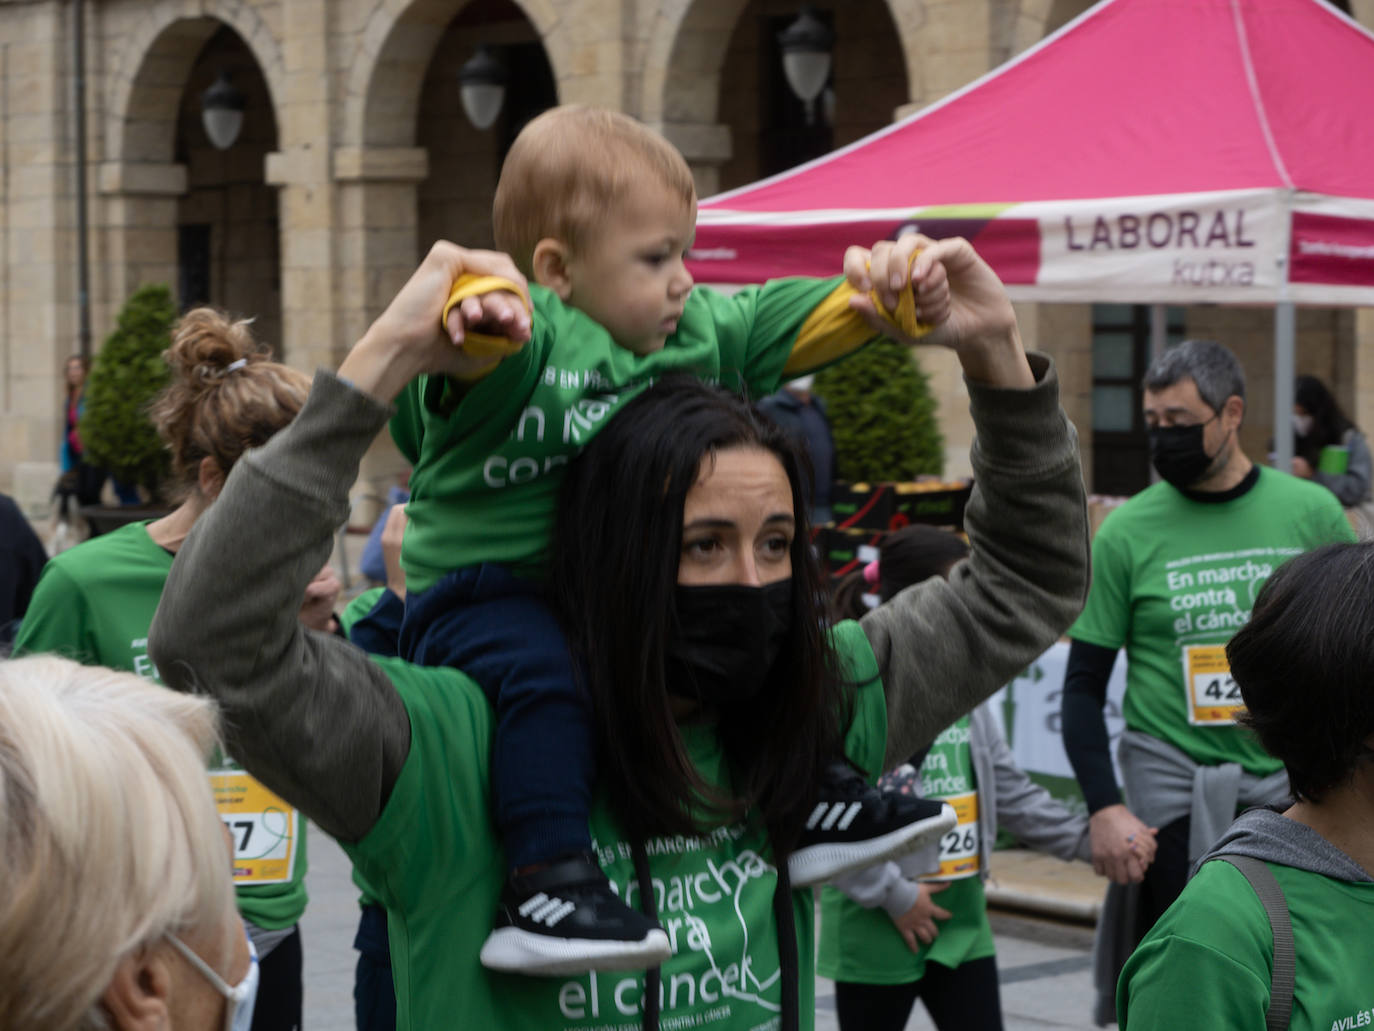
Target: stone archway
(383,168)
(144,180)
(701,52)
(382,98)
(145,88)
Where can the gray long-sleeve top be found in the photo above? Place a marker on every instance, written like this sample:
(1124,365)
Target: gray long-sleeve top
(1352,486)
(321,724)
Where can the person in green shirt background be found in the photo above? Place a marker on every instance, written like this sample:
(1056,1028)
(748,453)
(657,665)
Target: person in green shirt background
(917,927)
(1304,664)
(1175,573)
(94,603)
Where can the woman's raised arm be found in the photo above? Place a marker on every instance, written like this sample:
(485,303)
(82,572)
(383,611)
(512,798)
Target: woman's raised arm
(305,712)
(943,647)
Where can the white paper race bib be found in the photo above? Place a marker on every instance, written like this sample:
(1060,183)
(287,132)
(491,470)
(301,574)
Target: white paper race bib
(1212,695)
(264,828)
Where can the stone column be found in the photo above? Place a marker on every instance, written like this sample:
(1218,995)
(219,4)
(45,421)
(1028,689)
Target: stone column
(310,330)
(377,248)
(139,204)
(38,271)
(706,146)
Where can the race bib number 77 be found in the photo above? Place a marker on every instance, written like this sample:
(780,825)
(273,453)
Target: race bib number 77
(264,828)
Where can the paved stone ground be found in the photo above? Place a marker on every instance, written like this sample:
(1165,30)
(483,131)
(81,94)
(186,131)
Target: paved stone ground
(1045,965)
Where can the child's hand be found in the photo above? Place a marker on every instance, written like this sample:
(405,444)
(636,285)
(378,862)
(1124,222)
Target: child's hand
(978,322)
(485,318)
(889,269)
(919,920)
(321,593)
(406,340)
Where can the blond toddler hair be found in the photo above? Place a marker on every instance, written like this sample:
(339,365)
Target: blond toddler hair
(568,167)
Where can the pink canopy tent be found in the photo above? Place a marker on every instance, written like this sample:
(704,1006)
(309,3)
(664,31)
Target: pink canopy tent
(1167,151)
(1151,151)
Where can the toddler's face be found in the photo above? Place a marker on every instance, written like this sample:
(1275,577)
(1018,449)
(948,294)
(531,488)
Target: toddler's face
(630,276)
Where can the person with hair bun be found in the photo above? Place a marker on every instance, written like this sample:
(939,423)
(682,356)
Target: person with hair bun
(1304,663)
(118,910)
(94,604)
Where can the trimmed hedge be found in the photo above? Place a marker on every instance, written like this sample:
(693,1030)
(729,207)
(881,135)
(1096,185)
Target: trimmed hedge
(882,416)
(127,374)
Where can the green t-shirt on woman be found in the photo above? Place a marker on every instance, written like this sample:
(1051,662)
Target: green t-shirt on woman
(435,862)
(489,460)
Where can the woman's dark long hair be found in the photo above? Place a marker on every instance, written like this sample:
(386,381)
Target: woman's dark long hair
(616,550)
(1329,423)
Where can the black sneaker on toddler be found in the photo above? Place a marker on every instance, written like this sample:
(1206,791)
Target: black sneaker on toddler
(565,919)
(854,825)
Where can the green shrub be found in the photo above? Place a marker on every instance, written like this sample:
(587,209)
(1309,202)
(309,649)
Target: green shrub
(128,372)
(882,416)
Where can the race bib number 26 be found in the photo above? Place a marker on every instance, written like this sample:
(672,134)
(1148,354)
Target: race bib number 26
(1213,697)
(264,828)
(959,851)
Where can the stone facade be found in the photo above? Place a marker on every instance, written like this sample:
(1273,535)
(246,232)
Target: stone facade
(355,155)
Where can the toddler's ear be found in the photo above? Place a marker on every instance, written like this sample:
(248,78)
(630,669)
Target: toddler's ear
(550,266)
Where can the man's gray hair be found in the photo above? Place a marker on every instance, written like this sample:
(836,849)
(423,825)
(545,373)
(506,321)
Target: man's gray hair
(1211,366)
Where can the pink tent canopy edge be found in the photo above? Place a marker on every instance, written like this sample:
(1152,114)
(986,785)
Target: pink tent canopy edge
(1208,139)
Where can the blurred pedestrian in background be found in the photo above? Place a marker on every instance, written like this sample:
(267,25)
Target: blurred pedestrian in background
(802,414)
(21,560)
(1329,449)
(78,481)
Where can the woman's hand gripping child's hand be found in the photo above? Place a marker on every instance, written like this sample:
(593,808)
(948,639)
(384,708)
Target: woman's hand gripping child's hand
(408,339)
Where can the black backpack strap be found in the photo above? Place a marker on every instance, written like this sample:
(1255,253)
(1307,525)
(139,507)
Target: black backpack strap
(1281,982)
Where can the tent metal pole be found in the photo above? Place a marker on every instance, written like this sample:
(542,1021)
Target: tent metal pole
(1284,323)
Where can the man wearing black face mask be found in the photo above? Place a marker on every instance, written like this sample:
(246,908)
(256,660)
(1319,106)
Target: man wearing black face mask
(1175,572)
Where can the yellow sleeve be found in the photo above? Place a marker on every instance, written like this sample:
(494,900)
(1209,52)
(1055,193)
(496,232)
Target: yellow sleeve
(834,330)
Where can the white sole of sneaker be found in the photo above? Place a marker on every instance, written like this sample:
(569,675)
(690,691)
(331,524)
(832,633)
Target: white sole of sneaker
(820,863)
(522,952)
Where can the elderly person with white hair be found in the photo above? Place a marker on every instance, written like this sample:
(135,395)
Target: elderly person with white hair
(117,910)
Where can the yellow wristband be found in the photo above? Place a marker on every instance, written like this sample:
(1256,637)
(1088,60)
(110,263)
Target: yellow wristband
(482,345)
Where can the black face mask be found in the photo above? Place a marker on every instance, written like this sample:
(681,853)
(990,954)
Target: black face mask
(728,639)
(1178,453)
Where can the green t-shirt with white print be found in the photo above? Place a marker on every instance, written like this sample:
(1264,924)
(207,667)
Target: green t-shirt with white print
(435,862)
(489,459)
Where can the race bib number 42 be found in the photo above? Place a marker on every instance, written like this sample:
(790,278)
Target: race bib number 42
(262,825)
(1213,697)
(959,852)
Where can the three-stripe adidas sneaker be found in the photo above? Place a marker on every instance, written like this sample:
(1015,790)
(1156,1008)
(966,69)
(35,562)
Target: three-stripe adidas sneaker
(853,825)
(565,919)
